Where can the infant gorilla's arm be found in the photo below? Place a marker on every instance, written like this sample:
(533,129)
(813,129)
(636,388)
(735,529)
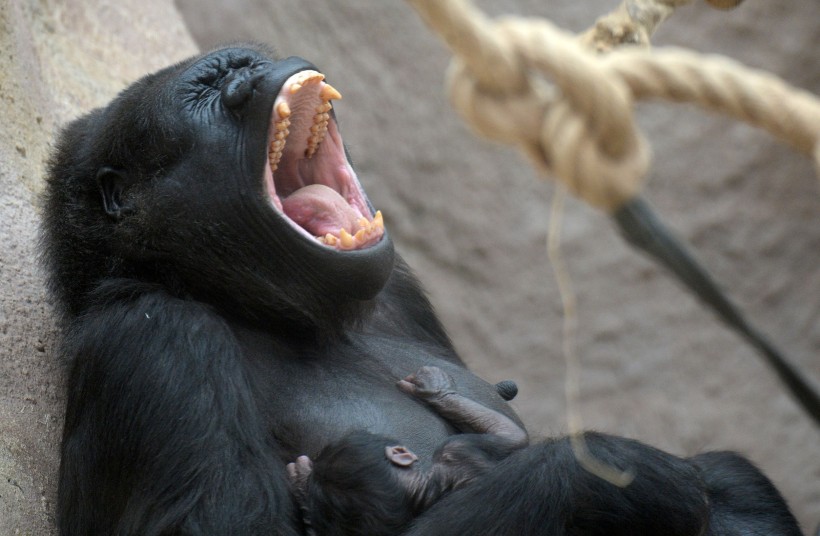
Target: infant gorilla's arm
(489,437)
(437,388)
(298,475)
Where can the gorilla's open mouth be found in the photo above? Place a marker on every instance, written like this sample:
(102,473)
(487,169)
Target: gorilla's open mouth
(307,176)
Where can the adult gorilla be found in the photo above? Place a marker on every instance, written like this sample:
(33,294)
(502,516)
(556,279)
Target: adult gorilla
(232,301)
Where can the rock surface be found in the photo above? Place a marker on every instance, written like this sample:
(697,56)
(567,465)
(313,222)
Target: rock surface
(471,217)
(58,60)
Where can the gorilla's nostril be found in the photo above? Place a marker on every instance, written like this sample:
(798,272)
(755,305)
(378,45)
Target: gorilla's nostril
(238,87)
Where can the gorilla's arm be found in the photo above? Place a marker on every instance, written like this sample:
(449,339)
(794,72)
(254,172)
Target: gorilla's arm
(162,435)
(743,500)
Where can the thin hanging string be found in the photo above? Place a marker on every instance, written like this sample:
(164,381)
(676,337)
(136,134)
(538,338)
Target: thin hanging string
(572,382)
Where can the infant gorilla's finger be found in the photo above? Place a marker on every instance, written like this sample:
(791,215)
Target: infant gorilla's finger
(406,386)
(291,469)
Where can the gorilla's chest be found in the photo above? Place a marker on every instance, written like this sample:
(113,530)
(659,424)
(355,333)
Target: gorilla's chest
(320,397)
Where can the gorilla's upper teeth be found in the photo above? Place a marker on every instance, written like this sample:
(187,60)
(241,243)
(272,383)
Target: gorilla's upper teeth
(320,119)
(296,95)
(277,145)
(319,128)
(283,110)
(329,93)
(303,78)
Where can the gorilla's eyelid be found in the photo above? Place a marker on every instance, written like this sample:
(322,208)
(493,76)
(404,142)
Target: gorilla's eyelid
(214,72)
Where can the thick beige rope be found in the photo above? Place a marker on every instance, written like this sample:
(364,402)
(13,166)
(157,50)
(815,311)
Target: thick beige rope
(527,83)
(569,108)
(634,21)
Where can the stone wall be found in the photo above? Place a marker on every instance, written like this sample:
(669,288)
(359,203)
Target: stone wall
(58,59)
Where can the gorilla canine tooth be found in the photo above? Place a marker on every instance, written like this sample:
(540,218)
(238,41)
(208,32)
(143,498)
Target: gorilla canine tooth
(346,238)
(329,93)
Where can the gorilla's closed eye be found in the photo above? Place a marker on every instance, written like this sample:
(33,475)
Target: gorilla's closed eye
(214,72)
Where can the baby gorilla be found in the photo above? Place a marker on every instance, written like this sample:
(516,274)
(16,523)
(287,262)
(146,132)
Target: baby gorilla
(366,484)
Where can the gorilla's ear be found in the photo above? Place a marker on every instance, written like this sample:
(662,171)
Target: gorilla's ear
(112,182)
(400,456)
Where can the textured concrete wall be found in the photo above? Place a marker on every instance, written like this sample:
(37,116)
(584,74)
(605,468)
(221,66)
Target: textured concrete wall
(472,219)
(58,59)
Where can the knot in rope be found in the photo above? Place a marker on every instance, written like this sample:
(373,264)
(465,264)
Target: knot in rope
(581,129)
(527,83)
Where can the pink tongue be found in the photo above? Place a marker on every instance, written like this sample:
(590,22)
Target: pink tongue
(320,210)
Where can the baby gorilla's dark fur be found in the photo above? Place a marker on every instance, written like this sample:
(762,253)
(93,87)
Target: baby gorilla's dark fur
(354,490)
(367,484)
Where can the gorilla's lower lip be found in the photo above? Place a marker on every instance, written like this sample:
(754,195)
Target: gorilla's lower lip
(307,176)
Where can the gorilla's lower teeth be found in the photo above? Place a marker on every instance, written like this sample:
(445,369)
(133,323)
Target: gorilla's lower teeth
(367,230)
(346,239)
(328,239)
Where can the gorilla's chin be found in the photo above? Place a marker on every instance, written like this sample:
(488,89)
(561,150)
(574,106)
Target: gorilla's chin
(308,179)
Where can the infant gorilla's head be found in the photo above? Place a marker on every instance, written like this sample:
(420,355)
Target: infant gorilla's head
(363,484)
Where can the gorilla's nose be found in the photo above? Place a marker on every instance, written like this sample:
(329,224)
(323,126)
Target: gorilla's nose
(238,86)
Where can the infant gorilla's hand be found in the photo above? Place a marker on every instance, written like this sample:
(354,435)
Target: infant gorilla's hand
(428,383)
(298,474)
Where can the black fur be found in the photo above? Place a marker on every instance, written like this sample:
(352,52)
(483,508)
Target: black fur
(543,490)
(209,342)
(354,490)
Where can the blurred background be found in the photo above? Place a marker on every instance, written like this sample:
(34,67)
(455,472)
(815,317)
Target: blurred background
(471,218)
